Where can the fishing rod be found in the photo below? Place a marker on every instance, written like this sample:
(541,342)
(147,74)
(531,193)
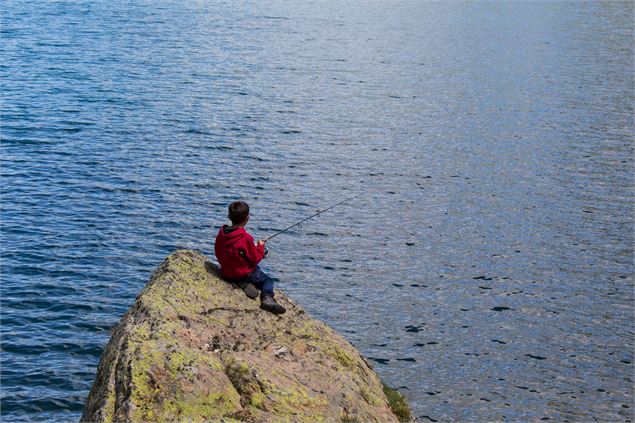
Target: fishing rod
(310,217)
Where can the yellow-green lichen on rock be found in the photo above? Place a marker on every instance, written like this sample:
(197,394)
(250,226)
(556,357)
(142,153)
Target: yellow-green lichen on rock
(194,348)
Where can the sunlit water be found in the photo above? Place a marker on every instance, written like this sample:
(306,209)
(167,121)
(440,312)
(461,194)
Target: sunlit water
(487,266)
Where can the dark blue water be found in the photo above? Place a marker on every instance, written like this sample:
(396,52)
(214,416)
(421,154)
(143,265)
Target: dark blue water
(487,267)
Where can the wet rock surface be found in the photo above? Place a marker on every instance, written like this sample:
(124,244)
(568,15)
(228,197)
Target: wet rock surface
(195,347)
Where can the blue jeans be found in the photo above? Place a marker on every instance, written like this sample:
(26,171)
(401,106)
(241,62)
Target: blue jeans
(261,280)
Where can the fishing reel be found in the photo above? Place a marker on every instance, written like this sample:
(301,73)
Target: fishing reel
(266,250)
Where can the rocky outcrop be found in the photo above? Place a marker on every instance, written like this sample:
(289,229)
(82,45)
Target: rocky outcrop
(192,347)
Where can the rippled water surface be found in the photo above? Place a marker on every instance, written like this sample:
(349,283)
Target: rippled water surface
(487,267)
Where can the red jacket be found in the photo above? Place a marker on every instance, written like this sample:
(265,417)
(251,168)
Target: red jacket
(236,252)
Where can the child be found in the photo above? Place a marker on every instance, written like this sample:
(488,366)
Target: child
(239,257)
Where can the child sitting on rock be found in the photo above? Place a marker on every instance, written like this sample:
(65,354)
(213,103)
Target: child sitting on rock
(239,257)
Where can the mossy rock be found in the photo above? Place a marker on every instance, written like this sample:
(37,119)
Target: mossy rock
(193,347)
(397,403)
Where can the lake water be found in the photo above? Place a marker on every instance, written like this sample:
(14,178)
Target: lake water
(486,267)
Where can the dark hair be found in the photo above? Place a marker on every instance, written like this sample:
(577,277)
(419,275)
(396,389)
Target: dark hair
(238,212)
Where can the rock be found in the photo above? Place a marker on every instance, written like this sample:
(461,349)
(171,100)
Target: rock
(195,348)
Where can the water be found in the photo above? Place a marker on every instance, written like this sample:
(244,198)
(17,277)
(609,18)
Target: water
(487,268)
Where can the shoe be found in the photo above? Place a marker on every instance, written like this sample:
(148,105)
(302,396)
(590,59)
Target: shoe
(249,289)
(269,304)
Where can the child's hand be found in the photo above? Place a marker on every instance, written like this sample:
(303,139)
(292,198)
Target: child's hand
(261,242)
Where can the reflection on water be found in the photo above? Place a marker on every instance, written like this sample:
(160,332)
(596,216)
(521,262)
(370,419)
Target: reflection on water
(487,267)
